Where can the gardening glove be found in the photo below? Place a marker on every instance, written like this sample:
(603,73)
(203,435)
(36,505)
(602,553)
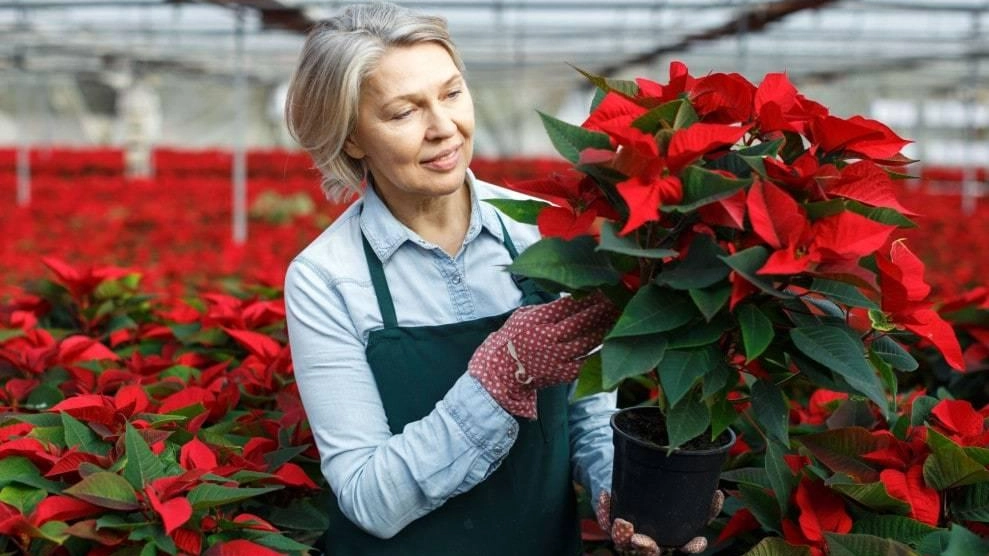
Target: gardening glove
(540,346)
(630,543)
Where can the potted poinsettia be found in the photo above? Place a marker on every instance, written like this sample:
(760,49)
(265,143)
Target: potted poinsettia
(748,235)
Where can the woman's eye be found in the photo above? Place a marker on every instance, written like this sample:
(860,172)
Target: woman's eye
(402,115)
(454,94)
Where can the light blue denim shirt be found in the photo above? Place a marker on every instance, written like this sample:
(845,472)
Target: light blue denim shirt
(384,481)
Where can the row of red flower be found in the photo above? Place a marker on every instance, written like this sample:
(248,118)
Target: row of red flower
(176,228)
(175,426)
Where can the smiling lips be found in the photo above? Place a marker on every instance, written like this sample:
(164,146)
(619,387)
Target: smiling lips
(446,160)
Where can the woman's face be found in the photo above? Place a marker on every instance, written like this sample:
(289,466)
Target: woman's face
(415,125)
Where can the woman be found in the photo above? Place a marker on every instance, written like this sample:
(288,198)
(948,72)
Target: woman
(441,413)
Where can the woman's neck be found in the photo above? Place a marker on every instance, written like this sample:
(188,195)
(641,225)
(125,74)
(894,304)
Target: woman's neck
(441,220)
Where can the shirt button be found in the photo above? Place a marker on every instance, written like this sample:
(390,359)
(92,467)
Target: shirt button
(456,278)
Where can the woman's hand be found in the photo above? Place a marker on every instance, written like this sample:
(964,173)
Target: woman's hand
(630,543)
(539,346)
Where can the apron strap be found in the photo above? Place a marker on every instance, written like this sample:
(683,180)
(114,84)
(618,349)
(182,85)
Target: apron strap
(381,291)
(531,292)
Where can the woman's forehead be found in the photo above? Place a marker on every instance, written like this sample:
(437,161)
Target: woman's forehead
(410,70)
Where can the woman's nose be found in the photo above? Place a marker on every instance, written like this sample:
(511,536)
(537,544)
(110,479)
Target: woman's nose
(441,124)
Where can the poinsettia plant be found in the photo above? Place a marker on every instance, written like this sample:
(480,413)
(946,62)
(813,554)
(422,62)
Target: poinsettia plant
(131,425)
(748,235)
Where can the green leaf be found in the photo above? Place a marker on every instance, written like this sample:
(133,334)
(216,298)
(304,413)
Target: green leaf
(681,369)
(124,523)
(890,351)
(842,449)
(698,335)
(702,186)
(80,436)
(754,155)
(770,409)
(106,490)
(949,466)
(717,379)
(54,532)
(757,330)
(747,263)
(820,209)
(9,333)
(921,409)
(570,139)
(837,350)
(663,116)
(525,211)
(300,515)
(625,357)
(962,542)
(24,498)
(762,505)
(622,86)
(709,301)
(754,476)
(686,421)
(935,543)
(654,309)
(842,292)
(209,495)
(980,455)
(971,503)
(19,469)
(277,542)
(870,495)
(883,215)
(44,396)
(277,458)
(864,545)
(626,245)
(702,267)
(775,546)
(184,373)
(589,380)
(142,464)
(574,264)
(908,530)
(722,411)
(780,477)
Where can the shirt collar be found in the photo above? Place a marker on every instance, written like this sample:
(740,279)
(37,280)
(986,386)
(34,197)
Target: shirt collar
(386,234)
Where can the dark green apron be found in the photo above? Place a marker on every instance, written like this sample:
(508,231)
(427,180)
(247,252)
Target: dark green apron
(526,507)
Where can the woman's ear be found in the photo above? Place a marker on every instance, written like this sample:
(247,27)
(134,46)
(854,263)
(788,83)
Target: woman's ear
(352,149)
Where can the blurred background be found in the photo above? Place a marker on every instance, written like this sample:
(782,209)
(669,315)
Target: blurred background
(112,94)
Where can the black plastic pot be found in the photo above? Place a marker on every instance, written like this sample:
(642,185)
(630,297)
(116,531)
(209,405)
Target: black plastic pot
(665,497)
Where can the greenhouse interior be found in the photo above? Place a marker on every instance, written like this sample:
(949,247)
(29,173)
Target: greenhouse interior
(781,201)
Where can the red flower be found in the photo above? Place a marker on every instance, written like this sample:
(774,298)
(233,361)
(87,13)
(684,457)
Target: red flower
(904,295)
(820,510)
(959,421)
(857,135)
(924,501)
(723,98)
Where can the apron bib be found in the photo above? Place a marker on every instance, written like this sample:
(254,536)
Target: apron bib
(526,507)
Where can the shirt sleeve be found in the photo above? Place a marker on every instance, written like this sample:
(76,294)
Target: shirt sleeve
(382,481)
(591,450)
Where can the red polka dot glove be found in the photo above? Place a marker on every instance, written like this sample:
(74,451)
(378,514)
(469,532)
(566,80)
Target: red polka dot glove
(538,346)
(630,543)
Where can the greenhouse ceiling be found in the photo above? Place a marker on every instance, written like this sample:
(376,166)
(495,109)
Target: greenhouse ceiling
(891,47)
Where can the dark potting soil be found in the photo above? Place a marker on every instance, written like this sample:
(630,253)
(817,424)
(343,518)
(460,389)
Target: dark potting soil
(651,427)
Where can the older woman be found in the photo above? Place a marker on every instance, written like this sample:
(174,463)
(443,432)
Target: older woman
(441,410)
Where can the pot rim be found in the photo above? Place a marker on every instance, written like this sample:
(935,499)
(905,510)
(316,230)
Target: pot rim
(679,451)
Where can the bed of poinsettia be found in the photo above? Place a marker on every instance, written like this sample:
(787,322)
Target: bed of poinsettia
(149,406)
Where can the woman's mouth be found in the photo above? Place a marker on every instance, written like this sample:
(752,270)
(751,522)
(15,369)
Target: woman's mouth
(444,161)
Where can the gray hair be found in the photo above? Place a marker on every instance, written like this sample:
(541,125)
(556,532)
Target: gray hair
(338,56)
